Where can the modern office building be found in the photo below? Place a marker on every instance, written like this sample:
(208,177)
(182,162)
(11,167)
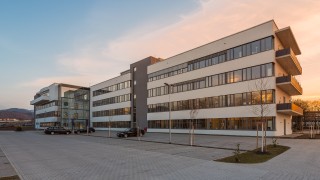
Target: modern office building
(61,105)
(121,102)
(221,87)
(226,87)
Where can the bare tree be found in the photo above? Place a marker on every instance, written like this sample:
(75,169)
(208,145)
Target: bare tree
(261,108)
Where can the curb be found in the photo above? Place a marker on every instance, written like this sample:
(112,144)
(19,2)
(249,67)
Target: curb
(179,144)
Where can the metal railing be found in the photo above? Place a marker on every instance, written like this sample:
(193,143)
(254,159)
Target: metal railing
(290,79)
(288,51)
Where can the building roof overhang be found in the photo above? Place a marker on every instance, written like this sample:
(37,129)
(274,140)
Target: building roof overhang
(288,40)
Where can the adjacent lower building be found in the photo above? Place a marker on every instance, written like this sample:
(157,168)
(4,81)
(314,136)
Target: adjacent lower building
(226,87)
(62,105)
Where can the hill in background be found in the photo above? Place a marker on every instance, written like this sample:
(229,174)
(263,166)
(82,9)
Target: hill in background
(16,113)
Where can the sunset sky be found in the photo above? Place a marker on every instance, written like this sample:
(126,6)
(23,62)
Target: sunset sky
(84,42)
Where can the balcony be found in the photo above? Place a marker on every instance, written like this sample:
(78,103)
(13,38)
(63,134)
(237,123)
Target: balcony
(289,109)
(289,62)
(290,85)
(40,100)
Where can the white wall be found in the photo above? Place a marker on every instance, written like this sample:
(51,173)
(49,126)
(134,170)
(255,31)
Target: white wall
(234,40)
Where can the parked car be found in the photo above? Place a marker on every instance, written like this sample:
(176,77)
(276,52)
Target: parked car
(56,130)
(130,132)
(84,130)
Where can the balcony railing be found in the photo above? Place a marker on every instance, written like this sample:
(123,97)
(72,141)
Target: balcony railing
(289,52)
(290,108)
(294,82)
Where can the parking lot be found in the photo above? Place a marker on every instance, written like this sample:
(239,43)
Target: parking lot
(38,156)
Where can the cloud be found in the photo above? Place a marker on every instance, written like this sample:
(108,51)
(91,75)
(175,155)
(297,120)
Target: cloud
(213,20)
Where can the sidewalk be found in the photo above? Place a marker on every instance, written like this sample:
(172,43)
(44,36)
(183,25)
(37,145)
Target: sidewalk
(208,141)
(6,170)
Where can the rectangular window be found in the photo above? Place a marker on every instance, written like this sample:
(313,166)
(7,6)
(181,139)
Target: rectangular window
(248,47)
(222,58)
(229,77)
(269,69)
(244,50)
(202,64)
(208,81)
(222,79)
(237,76)
(263,44)
(269,43)
(249,77)
(255,47)
(216,101)
(237,52)
(256,72)
(263,70)
(202,84)
(238,99)
(215,80)
(256,97)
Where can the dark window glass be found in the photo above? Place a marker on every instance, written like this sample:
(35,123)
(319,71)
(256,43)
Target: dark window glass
(215,60)
(228,55)
(229,77)
(269,43)
(263,70)
(238,99)
(244,50)
(202,84)
(237,52)
(256,98)
(255,47)
(256,72)
(237,75)
(248,47)
(222,79)
(249,98)
(263,45)
(216,101)
(215,80)
(249,74)
(269,96)
(222,58)
(244,74)
(202,64)
(269,69)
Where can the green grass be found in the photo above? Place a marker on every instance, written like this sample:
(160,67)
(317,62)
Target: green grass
(10,178)
(255,156)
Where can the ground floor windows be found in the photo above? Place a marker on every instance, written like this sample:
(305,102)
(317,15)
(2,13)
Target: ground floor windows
(248,123)
(114,124)
(48,124)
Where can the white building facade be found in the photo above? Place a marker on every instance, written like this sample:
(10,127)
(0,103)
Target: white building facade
(218,88)
(111,103)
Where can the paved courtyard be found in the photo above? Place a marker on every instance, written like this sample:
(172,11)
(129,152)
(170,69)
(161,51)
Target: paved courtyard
(38,156)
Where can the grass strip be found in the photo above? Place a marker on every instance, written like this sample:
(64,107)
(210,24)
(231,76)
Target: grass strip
(255,156)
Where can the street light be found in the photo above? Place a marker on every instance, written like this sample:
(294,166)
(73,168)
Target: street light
(169,92)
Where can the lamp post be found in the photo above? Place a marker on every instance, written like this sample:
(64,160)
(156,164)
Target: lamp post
(169,92)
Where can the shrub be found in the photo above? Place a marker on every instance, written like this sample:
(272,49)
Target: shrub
(237,153)
(275,142)
(19,128)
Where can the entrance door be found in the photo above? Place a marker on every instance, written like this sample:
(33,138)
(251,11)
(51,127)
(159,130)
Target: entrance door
(284,126)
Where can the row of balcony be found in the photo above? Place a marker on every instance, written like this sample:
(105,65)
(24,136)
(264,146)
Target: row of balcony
(289,109)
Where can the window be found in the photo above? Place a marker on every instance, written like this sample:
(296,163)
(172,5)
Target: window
(222,79)
(269,69)
(255,47)
(269,43)
(249,77)
(237,76)
(229,77)
(237,52)
(215,80)
(256,72)
(238,99)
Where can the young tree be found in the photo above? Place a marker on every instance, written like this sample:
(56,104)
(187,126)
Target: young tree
(193,115)
(261,107)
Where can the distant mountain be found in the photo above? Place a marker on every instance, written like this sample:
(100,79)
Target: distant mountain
(16,113)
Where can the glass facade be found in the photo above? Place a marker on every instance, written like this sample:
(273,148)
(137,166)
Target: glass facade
(243,123)
(75,108)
